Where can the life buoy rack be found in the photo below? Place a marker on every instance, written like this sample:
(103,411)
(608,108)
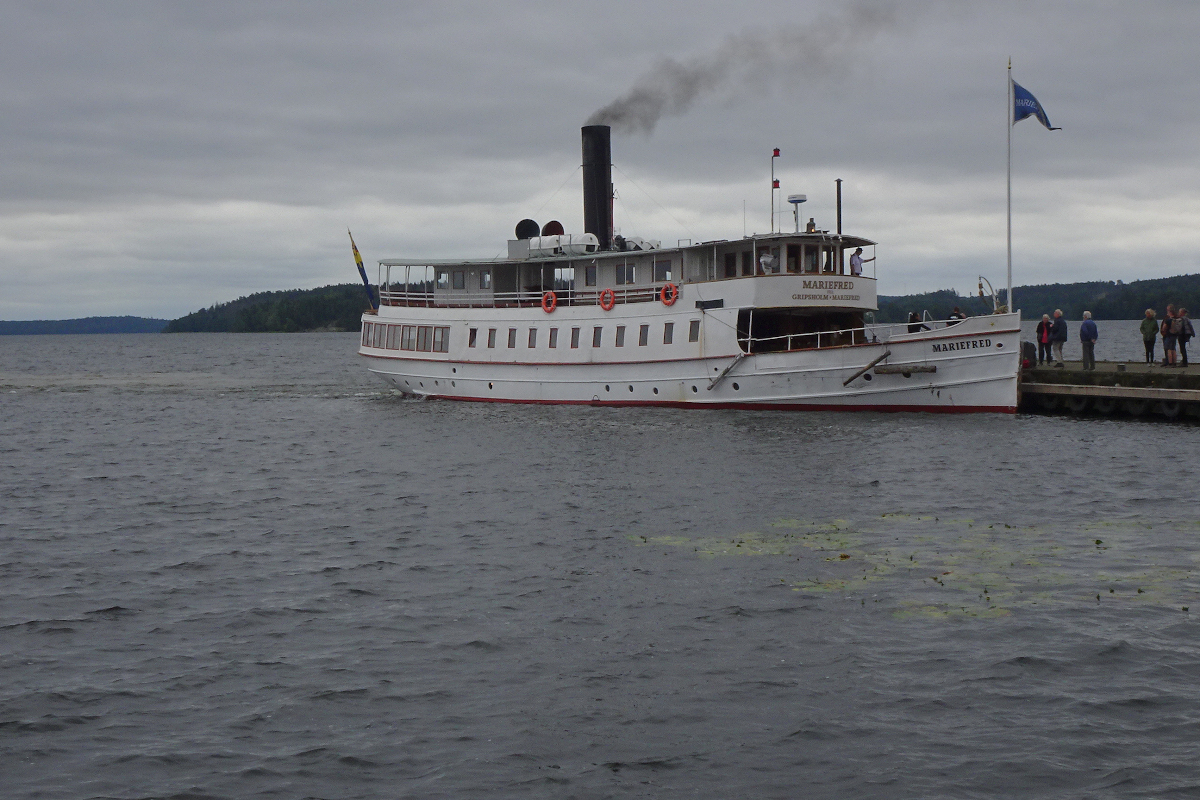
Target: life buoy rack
(608,299)
(549,302)
(669,294)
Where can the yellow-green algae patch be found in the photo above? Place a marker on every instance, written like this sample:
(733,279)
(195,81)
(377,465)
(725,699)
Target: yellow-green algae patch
(922,565)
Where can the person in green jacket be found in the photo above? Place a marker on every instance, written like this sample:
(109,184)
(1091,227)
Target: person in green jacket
(1149,334)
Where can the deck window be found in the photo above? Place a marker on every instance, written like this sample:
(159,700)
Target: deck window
(564,279)
(485,279)
(459,279)
(441,340)
(596,333)
(471,337)
(589,275)
(731,265)
(377,335)
(408,338)
(625,274)
(443,279)
(793,258)
(620,336)
(491,337)
(747,263)
(391,337)
(424,338)
(694,331)
(512,337)
(644,336)
(532,337)
(668,332)
(574,337)
(662,271)
(553,338)
(366,333)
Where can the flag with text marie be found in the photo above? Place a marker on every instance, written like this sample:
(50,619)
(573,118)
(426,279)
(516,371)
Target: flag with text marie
(1026,105)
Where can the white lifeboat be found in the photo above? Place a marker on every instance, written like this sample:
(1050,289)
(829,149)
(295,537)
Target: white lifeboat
(564,244)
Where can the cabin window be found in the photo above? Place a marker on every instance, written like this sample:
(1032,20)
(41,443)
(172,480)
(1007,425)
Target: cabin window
(377,335)
(459,279)
(471,336)
(662,271)
(532,337)
(644,336)
(408,337)
(811,256)
(596,331)
(625,274)
(491,337)
(620,336)
(366,333)
(589,275)
(694,331)
(668,332)
(391,338)
(441,340)
(793,258)
(564,279)
(443,279)
(553,338)
(424,338)
(485,279)
(574,337)
(747,263)
(512,337)
(731,265)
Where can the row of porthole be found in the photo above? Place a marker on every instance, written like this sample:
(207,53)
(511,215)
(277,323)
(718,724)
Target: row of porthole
(607,387)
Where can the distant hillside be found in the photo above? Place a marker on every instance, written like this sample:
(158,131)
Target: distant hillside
(85,325)
(329,308)
(1105,299)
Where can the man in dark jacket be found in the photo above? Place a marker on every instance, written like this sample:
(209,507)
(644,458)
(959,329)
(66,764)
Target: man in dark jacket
(1186,332)
(1087,337)
(1058,336)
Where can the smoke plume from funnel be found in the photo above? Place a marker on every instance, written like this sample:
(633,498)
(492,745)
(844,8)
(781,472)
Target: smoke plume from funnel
(826,45)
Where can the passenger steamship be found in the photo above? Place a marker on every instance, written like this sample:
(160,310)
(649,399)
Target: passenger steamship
(770,321)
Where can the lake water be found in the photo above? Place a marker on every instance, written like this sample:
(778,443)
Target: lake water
(234,566)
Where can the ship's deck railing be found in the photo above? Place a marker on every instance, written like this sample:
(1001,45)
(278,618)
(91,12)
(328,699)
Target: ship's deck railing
(528,298)
(868,334)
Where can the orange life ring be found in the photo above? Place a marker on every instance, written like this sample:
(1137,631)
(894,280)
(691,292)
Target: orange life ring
(608,299)
(549,302)
(674,294)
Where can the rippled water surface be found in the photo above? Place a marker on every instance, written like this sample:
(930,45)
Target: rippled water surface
(234,566)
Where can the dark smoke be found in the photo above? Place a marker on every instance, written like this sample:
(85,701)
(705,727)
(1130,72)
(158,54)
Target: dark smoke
(822,47)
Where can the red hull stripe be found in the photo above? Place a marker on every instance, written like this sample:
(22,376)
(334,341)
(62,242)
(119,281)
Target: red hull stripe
(742,406)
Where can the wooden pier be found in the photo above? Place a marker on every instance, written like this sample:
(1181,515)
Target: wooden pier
(1112,389)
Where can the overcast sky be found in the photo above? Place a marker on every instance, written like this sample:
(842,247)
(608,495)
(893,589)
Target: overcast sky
(156,158)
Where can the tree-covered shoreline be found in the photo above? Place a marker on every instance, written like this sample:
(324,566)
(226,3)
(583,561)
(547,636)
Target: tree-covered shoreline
(328,308)
(1105,299)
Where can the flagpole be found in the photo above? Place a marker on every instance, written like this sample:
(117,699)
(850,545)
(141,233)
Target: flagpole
(1009,116)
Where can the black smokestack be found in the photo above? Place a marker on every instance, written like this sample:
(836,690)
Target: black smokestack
(597,183)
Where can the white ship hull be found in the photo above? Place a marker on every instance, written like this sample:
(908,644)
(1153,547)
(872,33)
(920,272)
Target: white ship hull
(970,366)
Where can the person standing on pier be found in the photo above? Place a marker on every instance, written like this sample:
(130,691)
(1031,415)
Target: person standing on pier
(1043,338)
(1058,336)
(1149,334)
(1087,337)
(1168,337)
(1186,332)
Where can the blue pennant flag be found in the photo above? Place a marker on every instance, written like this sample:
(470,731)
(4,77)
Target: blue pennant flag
(1026,105)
